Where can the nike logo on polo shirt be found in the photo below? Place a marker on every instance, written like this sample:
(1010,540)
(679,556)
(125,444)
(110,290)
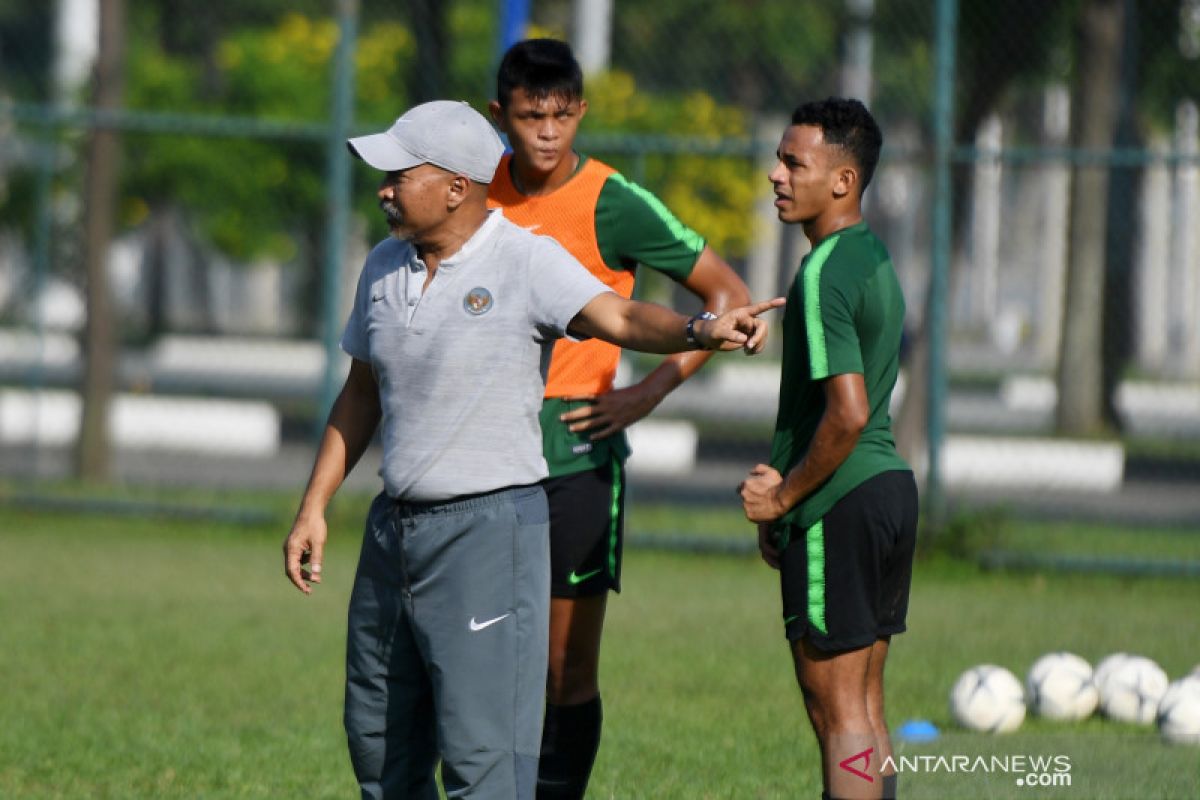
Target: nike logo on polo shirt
(574,579)
(478,626)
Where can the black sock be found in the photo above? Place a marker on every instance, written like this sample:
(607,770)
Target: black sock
(570,739)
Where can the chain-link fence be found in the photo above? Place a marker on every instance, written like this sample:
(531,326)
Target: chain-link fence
(1066,376)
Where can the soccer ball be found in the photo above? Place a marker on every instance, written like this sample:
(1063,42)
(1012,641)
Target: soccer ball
(1179,711)
(1105,666)
(1059,686)
(988,698)
(1132,690)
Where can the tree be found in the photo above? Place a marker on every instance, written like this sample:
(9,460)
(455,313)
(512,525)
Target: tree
(103,153)
(1080,368)
(26,49)
(252,197)
(994,55)
(759,54)
(428,73)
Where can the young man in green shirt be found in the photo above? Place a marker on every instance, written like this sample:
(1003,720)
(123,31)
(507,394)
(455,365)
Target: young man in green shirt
(837,506)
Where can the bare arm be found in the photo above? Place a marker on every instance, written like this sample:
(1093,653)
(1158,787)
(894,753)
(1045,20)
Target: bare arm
(767,496)
(652,328)
(720,289)
(352,422)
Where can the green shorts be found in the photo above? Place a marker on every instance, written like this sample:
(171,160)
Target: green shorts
(845,581)
(587,530)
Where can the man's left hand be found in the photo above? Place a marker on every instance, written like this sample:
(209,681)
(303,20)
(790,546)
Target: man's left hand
(611,412)
(760,494)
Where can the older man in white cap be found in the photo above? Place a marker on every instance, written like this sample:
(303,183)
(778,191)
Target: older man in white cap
(450,335)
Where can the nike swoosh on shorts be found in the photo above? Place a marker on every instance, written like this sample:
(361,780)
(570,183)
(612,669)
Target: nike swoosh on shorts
(573,579)
(487,623)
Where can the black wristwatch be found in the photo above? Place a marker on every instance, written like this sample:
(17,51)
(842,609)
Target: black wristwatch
(691,332)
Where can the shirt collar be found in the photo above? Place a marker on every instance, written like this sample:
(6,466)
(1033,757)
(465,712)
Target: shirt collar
(477,240)
(481,235)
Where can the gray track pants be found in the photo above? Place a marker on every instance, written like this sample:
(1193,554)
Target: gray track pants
(447,644)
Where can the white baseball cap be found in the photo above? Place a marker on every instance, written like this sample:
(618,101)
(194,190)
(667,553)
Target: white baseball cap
(446,133)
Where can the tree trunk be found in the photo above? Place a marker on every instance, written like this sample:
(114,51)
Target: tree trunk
(100,194)
(991,56)
(1097,85)
(428,78)
(1124,200)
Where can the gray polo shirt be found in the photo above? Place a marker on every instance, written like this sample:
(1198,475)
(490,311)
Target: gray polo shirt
(461,367)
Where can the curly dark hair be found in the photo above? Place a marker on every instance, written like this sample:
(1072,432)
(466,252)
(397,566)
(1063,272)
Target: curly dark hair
(543,68)
(845,123)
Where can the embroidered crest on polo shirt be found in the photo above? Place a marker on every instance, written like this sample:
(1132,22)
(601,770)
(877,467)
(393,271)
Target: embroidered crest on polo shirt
(478,301)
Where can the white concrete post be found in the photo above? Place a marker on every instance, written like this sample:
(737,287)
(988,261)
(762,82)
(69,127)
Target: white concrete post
(860,46)
(985,223)
(1186,240)
(76,46)
(1052,235)
(1152,261)
(591,34)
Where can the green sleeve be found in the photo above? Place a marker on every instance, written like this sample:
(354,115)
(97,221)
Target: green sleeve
(634,227)
(831,298)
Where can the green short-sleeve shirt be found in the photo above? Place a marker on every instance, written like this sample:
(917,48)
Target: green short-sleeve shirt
(632,227)
(844,314)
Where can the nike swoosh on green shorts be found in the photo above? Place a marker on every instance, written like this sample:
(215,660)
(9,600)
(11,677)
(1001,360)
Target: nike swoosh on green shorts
(574,579)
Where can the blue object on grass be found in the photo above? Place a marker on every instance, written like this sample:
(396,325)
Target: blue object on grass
(917,730)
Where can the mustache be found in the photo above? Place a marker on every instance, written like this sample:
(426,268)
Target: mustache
(391,211)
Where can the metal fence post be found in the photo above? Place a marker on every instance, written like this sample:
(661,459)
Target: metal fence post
(943,125)
(337,199)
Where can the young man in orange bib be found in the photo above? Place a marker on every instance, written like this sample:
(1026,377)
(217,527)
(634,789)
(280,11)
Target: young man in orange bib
(611,225)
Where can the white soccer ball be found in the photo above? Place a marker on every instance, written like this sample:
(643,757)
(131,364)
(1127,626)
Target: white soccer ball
(1178,715)
(988,698)
(1132,690)
(1059,686)
(1105,666)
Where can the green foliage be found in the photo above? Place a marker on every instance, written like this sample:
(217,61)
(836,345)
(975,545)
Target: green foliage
(251,197)
(903,61)
(760,54)
(1169,50)
(25,30)
(472,58)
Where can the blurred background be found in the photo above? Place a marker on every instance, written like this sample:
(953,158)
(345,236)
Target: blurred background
(181,228)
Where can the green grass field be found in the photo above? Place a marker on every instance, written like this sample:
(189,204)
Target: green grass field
(148,657)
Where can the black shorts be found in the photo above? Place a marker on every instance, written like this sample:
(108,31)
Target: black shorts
(587,522)
(845,580)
